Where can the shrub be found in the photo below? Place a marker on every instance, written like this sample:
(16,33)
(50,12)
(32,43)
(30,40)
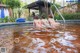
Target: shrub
(12,19)
(2,20)
(7,19)
(29,18)
(74,16)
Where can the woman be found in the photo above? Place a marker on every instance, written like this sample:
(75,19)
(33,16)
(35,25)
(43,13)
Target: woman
(52,22)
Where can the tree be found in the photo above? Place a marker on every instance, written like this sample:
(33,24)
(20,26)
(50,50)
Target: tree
(13,4)
(54,9)
(78,6)
(54,1)
(3,1)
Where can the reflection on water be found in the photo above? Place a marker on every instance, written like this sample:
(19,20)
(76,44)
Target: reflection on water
(55,43)
(27,40)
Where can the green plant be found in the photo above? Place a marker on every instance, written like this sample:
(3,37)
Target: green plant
(11,19)
(30,18)
(74,16)
(53,8)
(13,4)
(3,20)
(7,19)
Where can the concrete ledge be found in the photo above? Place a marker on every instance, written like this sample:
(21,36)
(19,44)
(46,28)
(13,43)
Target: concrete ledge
(29,23)
(70,21)
(16,23)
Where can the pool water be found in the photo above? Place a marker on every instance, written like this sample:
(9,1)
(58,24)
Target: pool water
(24,39)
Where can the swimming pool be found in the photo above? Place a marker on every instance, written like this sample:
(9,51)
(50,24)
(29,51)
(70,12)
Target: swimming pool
(24,39)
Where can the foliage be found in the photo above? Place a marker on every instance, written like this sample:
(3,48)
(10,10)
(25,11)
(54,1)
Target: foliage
(13,3)
(74,16)
(54,9)
(30,18)
(4,19)
(53,1)
(7,19)
(12,19)
(3,1)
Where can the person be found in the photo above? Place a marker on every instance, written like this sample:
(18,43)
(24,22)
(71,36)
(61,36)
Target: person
(34,16)
(37,22)
(52,22)
(45,23)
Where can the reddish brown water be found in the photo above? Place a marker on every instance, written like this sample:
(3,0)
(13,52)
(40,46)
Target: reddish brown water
(23,39)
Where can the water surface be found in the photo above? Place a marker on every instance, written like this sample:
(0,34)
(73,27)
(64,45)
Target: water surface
(24,39)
